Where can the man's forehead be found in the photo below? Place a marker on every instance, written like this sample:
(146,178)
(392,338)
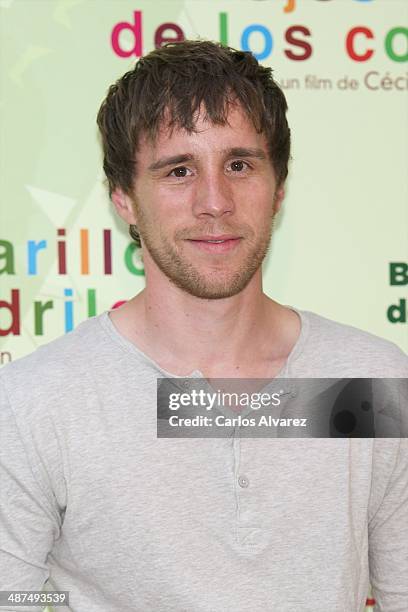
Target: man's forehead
(237,126)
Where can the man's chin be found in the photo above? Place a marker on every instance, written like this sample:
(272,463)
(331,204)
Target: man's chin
(209,281)
(208,290)
(213,294)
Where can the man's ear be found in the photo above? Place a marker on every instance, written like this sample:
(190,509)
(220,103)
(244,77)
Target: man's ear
(124,206)
(278,199)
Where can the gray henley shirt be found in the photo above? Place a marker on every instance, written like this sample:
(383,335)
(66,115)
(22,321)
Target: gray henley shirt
(93,503)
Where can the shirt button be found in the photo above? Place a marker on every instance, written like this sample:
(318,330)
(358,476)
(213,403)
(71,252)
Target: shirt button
(243,482)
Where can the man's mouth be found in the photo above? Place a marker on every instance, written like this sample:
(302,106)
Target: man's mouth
(215,244)
(213,241)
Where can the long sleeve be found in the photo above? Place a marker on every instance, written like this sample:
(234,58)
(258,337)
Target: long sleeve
(28,519)
(388,539)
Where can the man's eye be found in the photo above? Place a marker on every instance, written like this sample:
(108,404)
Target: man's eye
(179,172)
(238,165)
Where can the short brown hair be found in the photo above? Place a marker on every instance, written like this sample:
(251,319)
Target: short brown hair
(172,82)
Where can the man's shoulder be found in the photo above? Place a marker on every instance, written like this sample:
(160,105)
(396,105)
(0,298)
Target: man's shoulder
(361,352)
(52,364)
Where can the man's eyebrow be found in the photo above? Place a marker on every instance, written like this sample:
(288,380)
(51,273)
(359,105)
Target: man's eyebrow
(246,152)
(170,161)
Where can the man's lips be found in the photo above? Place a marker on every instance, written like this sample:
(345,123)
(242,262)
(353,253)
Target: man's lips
(215,244)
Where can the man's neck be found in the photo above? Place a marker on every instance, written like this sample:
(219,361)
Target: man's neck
(246,335)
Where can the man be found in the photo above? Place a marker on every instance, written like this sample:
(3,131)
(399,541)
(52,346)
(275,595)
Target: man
(196,147)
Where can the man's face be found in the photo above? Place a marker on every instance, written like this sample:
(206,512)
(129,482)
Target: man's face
(214,185)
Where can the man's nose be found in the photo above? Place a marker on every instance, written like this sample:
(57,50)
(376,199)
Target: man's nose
(213,196)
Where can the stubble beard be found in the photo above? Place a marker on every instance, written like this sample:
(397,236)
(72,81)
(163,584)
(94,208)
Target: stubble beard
(218,280)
